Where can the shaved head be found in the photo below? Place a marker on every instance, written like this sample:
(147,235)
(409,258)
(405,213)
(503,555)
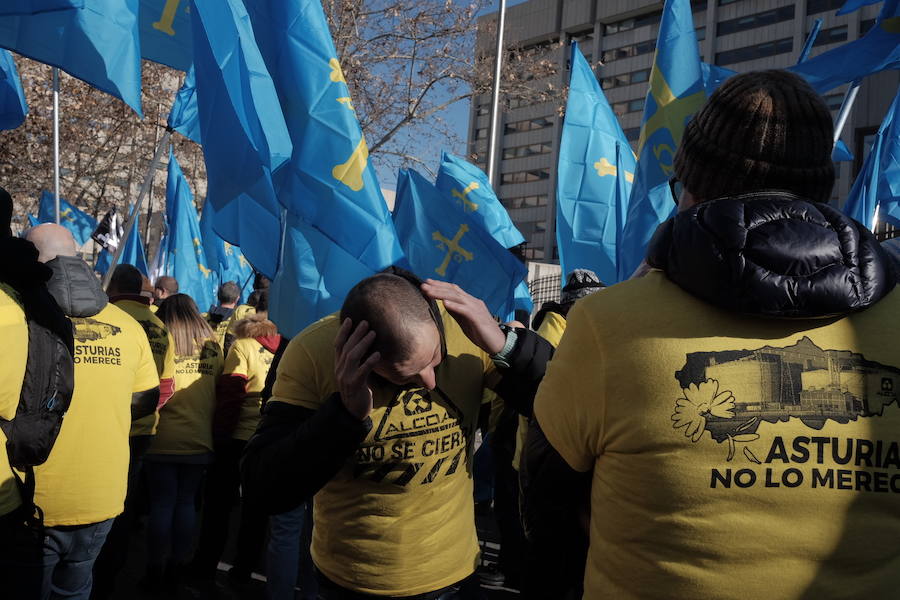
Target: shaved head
(126,279)
(395,309)
(52,240)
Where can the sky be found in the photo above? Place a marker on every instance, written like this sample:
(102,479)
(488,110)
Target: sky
(430,151)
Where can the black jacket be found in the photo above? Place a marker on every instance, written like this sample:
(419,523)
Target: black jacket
(296,451)
(768,254)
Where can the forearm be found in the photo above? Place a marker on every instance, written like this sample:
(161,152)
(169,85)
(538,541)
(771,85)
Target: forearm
(144,403)
(296,451)
(527,364)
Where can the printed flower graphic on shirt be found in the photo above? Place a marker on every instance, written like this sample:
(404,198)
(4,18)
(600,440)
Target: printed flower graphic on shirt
(699,402)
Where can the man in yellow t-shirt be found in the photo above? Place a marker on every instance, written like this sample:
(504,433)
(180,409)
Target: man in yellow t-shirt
(82,486)
(125,291)
(737,407)
(380,423)
(222,316)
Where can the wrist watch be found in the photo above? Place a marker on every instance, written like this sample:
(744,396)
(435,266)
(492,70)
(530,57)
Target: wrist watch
(501,359)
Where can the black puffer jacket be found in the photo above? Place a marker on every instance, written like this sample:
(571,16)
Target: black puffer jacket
(773,254)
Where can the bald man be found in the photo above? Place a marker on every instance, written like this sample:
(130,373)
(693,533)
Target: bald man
(81,488)
(164,287)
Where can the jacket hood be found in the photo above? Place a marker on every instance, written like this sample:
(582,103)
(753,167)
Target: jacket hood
(217,314)
(75,287)
(773,254)
(255,326)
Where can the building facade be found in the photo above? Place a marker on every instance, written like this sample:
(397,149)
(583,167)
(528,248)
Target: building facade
(618,37)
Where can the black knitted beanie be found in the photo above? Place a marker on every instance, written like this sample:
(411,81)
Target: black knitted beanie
(760,130)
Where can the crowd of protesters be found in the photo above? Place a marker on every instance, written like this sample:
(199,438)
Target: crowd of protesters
(723,425)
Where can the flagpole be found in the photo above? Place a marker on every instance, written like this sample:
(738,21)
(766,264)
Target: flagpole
(810,40)
(56,142)
(493,140)
(136,210)
(844,114)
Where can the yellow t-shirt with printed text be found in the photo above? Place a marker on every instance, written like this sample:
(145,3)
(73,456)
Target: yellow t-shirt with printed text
(551,329)
(733,457)
(163,347)
(14,333)
(85,478)
(185,421)
(398,519)
(251,359)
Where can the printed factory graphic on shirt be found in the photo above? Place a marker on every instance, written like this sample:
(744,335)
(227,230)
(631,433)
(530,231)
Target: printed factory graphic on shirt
(93,343)
(420,437)
(755,402)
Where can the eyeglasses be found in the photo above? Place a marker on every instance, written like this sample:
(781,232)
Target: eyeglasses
(676,187)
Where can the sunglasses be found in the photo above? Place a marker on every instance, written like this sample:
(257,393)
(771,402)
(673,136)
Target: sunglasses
(676,187)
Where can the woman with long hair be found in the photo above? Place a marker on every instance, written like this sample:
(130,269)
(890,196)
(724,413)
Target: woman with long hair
(182,448)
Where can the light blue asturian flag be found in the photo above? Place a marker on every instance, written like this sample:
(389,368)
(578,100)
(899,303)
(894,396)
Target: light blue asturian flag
(97,43)
(677,91)
(878,183)
(442,241)
(184,117)
(186,261)
(31,7)
(595,176)
(468,186)
(166,35)
(337,227)
(245,138)
(132,254)
(226,260)
(877,50)
(32,221)
(13,107)
(854,5)
(81,224)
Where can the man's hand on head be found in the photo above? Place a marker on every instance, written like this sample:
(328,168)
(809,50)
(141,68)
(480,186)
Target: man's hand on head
(352,368)
(472,315)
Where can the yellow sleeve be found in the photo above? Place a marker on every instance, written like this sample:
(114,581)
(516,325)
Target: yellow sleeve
(168,371)
(303,377)
(570,403)
(146,376)
(237,363)
(552,328)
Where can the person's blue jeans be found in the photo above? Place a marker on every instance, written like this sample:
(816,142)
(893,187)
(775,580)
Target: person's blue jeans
(172,487)
(288,555)
(69,555)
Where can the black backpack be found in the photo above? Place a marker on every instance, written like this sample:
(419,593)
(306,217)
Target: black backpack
(46,390)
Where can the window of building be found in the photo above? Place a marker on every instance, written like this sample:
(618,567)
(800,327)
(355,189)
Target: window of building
(525,176)
(528,125)
(533,253)
(831,36)
(625,79)
(834,101)
(865,26)
(629,106)
(701,33)
(817,6)
(726,2)
(525,201)
(769,17)
(483,110)
(481,134)
(698,5)
(528,150)
(753,52)
(633,23)
(632,133)
(629,51)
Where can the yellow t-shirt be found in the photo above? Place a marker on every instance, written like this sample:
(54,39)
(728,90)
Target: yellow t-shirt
(84,479)
(14,333)
(154,308)
(249,358)
(398,519)
(732,457)
(185,422)
(551,329)
(163,347)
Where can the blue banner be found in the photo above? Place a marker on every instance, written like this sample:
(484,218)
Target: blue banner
(13,107)
(878,183)
(468,186)
(595,175)
(677,91)
(186,261)
(245,138)
(442,241)
(854,5)
(81,224)
(184,117)
(877,50)
(227,260)
(166,35)
(98,44)
(31,7)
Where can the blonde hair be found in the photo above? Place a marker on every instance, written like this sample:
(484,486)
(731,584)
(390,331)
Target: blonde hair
(180,314)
